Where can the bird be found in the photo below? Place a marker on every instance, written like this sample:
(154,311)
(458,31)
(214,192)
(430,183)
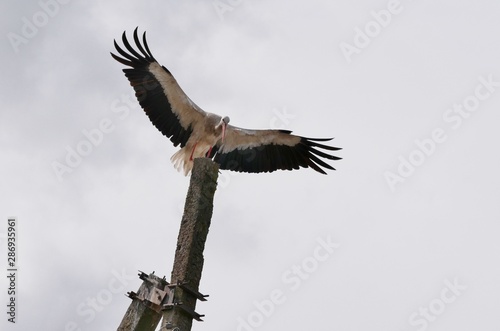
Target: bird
(204,134)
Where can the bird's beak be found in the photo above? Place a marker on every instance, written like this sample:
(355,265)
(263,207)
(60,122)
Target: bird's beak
(223,131)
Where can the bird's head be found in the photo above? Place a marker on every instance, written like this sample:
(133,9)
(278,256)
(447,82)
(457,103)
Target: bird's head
(223,124)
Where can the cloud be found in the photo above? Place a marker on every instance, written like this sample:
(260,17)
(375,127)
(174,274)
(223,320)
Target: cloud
(119,209)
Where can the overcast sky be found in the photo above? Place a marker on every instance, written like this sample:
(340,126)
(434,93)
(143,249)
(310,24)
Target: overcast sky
(403,236)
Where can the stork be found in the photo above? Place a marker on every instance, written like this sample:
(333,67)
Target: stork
(203,134)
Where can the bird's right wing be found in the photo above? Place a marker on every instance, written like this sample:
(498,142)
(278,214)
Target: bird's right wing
(167,106)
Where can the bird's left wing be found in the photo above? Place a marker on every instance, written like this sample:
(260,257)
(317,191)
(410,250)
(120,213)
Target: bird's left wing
(167,106)
(269,150)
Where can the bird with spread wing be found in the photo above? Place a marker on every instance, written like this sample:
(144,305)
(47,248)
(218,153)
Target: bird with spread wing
(203,134)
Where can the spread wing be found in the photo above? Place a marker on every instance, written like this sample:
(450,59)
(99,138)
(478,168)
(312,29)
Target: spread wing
(269,150)
(167,106)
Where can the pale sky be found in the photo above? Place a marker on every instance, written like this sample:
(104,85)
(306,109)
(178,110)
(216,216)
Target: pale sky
(403,236)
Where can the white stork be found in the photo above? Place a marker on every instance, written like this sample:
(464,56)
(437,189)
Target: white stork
(203,134)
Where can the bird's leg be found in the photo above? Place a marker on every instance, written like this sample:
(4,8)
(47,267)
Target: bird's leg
(209,152)
(192,152)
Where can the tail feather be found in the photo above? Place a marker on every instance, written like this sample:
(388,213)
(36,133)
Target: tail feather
(181,161)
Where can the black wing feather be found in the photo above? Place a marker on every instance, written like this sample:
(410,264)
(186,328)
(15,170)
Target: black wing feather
(272,157)
(148,89)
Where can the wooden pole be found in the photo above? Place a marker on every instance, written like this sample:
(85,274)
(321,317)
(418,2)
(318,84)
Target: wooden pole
(188,262)
(178,299)
(144,313)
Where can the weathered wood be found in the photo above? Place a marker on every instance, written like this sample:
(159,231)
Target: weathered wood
(188,262)
(144,313)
